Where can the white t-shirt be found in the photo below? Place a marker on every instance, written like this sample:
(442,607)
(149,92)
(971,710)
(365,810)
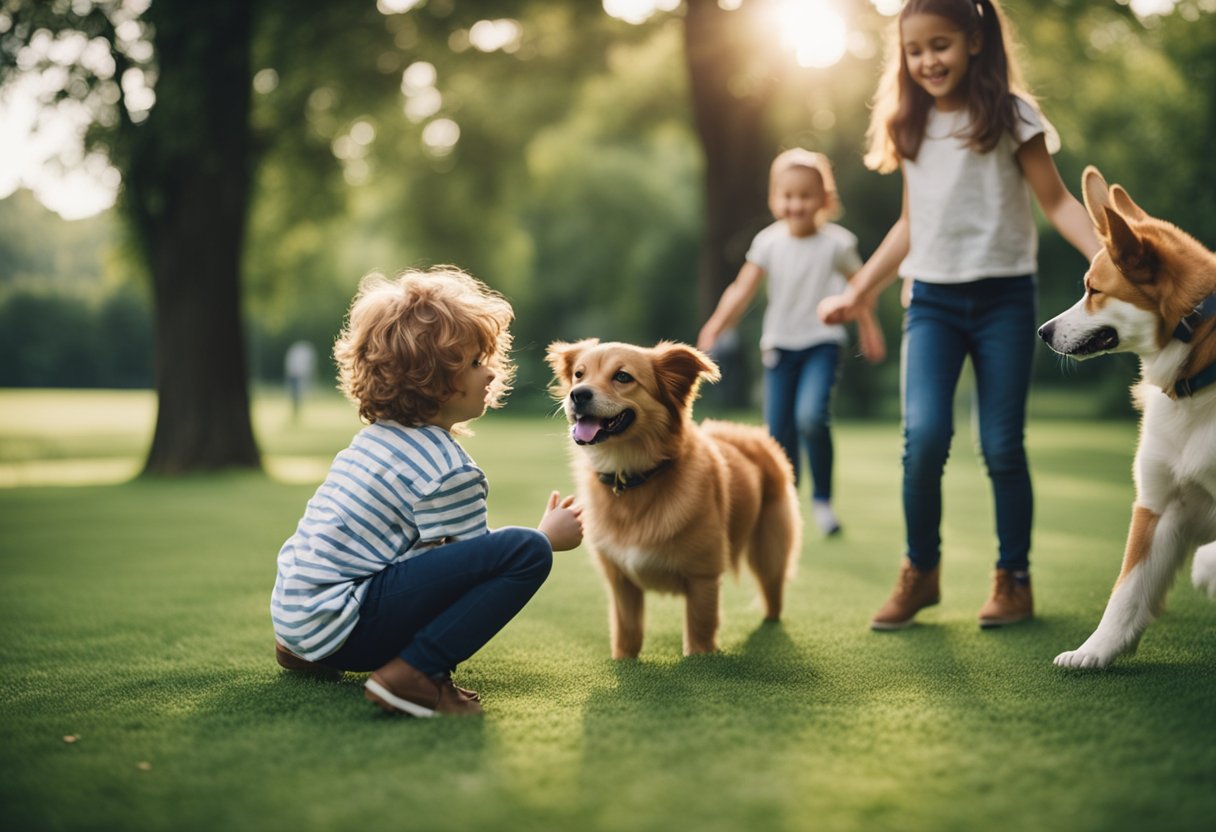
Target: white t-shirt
(969,213)
(802,271)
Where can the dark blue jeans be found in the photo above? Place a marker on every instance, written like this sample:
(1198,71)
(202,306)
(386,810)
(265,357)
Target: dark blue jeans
(438,608)
(993,322)
(797,399)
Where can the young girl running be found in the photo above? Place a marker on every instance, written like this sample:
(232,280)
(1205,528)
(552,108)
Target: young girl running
(972,147)
(806,259)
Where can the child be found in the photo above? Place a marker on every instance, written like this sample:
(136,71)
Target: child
(972,148)
(806,259)
(392,568)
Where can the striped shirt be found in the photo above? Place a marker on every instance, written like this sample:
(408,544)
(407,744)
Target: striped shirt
(394,493)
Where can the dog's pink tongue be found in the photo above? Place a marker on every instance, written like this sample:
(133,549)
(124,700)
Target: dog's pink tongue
(586,428)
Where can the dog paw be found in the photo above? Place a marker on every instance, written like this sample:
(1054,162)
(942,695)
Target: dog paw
(1081,659)
(1203,570)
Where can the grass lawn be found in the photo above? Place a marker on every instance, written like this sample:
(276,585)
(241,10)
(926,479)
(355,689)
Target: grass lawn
(139,689)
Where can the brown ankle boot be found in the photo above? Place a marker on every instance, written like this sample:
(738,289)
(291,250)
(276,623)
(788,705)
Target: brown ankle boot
(1011,600)
(397,687)
(914,591)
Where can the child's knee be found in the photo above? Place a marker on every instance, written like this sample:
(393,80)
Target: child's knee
(532,553)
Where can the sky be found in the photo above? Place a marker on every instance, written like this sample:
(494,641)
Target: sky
(47,157)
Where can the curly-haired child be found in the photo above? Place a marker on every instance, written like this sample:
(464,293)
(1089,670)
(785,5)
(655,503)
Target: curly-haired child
(392,568)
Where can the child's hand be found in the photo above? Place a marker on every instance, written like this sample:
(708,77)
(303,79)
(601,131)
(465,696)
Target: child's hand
(562,522)
(839,309)
(707,337)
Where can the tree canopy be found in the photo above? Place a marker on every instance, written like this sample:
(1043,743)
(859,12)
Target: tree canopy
(605,175)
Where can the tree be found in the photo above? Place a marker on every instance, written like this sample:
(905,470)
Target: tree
(186,168)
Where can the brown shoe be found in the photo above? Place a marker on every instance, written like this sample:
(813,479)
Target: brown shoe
(397,687)
(914,591)
(290,661)
(1011,600)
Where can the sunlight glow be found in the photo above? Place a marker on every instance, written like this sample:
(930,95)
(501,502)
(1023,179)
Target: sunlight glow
(1145,8)
(440,136)
(814,30)
(638,11)
(492,35)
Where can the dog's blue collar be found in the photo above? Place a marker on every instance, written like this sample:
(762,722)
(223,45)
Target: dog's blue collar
(1184,387)
(1185,330)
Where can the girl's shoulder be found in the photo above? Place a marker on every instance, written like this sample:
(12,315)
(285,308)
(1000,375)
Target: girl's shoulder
(1029,121)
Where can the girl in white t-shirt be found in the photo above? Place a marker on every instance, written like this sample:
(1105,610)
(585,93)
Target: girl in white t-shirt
(972,147)
(806,259)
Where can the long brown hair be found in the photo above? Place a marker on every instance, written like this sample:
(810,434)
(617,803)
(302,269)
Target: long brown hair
(901,107)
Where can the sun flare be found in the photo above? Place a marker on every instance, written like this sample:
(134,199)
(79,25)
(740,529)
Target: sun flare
(814,30)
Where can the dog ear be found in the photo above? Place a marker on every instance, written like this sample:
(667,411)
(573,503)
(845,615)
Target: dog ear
(1125,205)
(562,355)
(1133,257)
(680,369)
(1097,198)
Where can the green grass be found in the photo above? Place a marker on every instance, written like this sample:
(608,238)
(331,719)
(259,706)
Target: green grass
(134,618)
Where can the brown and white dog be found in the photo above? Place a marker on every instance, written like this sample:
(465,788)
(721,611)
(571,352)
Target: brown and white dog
(669,505)
(1152,291)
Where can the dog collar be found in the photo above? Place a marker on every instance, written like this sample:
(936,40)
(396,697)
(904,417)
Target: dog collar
(1184,387)
(620,482)
(1185,330)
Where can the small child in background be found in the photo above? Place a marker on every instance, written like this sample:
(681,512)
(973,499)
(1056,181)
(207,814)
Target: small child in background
(392,568)
(806,259)
(972,148)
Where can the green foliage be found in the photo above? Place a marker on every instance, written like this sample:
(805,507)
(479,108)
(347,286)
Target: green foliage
(576,186)
(144,636)
(66,341)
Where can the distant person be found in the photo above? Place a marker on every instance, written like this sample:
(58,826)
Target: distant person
(973,148)
(300,367)
(392,568)
(806,259)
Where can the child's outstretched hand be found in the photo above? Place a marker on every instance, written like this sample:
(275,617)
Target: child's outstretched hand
(839,309)
(562,522)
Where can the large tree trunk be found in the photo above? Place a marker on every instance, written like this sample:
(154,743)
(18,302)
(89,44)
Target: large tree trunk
(730,93)
(187,188)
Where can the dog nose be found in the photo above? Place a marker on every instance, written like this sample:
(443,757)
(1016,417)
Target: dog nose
(581,395)
(1045,331)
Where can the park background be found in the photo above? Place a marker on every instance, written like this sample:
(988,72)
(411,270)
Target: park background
(604,165)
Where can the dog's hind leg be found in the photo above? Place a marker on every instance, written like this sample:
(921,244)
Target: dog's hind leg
(1203,570)
(1155,550)
(773,553)
(627,614)
(701,615)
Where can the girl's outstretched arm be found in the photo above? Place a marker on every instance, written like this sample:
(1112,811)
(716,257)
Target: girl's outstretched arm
(731,305)
(1061,208)
(875,275)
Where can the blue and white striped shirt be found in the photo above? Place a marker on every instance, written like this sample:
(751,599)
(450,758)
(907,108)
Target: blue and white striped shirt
(394,493)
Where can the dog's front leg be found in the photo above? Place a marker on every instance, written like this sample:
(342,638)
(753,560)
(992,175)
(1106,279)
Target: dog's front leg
(627,614)
(701,615)
(1149,563)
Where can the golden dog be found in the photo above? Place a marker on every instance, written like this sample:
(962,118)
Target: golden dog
(670,505)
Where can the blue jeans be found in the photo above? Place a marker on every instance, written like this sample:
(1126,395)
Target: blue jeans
(797,395)
(438,608)
(993,321)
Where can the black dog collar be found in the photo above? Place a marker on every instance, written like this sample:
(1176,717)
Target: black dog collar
(620,482)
